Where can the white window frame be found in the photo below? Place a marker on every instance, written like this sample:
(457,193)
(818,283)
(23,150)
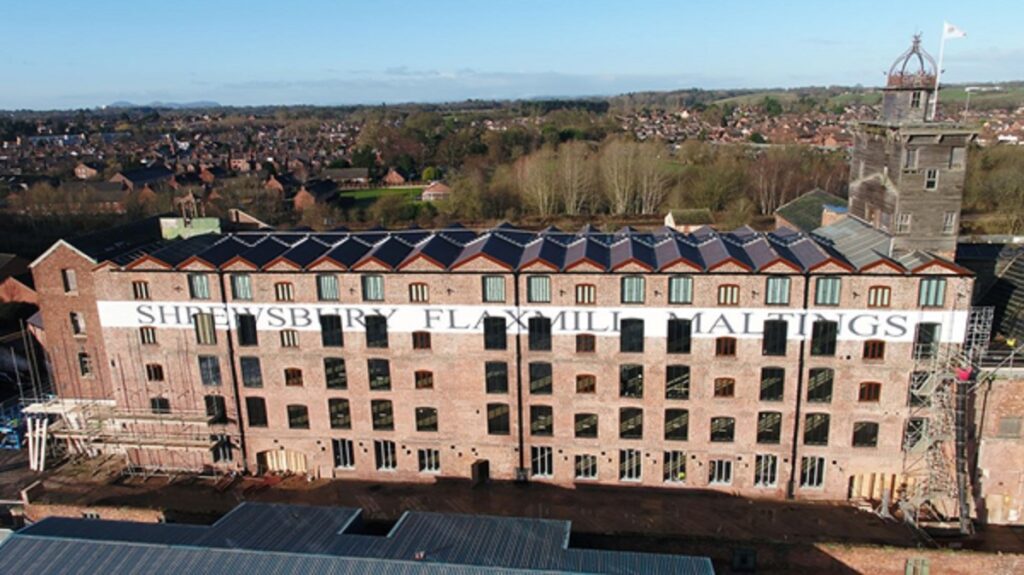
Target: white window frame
(385,456)
(931,179)
(719,472)
(198,286)
(429,461)
(776,290)
(588,472)
(633,289)
(631,465)
(674,459)
(542,460)
(680,290)
(373,287)
(932,292)
(327,288)
(241,287)
(766,470)
(538,289)
(812,472)
(493,289)
(344,453)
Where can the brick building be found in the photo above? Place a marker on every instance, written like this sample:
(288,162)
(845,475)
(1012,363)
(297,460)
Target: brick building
(761,364)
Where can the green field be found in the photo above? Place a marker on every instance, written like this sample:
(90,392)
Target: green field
(372,194)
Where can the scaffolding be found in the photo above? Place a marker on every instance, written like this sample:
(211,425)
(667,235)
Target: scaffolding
(936,471)
(92,427)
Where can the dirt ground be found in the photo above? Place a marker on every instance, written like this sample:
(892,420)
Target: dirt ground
(628,518)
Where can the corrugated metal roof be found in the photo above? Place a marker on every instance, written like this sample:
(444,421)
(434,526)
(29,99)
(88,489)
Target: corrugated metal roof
(286,537)
(858,241)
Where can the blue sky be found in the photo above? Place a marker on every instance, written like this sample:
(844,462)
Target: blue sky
(85,53)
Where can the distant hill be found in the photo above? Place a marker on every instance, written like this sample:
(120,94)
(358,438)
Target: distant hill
(167,105)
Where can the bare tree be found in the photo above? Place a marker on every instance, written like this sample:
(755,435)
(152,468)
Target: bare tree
(651,181)
(537,180)
(577,180)
(618,171)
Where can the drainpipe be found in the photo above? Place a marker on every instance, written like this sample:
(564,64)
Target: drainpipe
(801,363)
(234,375)
(519,381)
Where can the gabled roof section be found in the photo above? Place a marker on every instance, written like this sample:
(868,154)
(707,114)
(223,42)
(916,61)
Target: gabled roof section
(346,252)
(631,249)
(855,240)
(587,250)
(805,211)
(304,253)
(494,247)
(545,250)
(389,253)
(437,249)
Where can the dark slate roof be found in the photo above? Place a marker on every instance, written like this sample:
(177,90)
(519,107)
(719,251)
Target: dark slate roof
(805,211)
(148,175)
(849,242)
(268,538)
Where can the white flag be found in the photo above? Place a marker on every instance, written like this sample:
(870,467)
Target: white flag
(951,31)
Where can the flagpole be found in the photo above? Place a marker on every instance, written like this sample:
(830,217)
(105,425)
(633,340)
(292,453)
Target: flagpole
(938,72)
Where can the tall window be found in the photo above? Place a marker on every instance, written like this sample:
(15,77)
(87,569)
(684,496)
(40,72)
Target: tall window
(819,385)
(373,287)
(874,349)
(725,387)
(926,340)
(344,453)
(241,287)
(382,414)
(542,420)
(154,372)
(586,466)
(879,296)
(826,291)
(675,467)
(426,419)
(493,289)
(931,179)
(816,429)
(293,377)
(633,289)
(198,286)
(766,470)
(429,460)
(586,425)
(769,427)
(720,472)
(327,287)
(77,323)
(495,336)
(206,332)
(677,382)
(865,434)
(776,291)
(677,425)
(932,292)
(256,409)
(772,383)
(631,380)
(823,337)
(298,416)
(903,223)
(542,461)
(497,419)
(631,464)
(586,294)
(331,334)
(289,338)
(252,374)
(69,279)
(496,376)
(915,99)
(631,332)
(585,343)
(725,346)
(419,292)
(247,334)
(84,364)
(216,409)
(421,340)
(869,392)
(209,370)
(424,379)
(334,373)
(949,223)
(680,332)
(775,333)
(385,456)
(728,294)
(586,383)
(631,423)
(376,331)
(284,291)
(680,290)
(540,378)
(538,289)
(812,471)
(540,334)
(379,371)
(910,159)
(723,429)
(140,290)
